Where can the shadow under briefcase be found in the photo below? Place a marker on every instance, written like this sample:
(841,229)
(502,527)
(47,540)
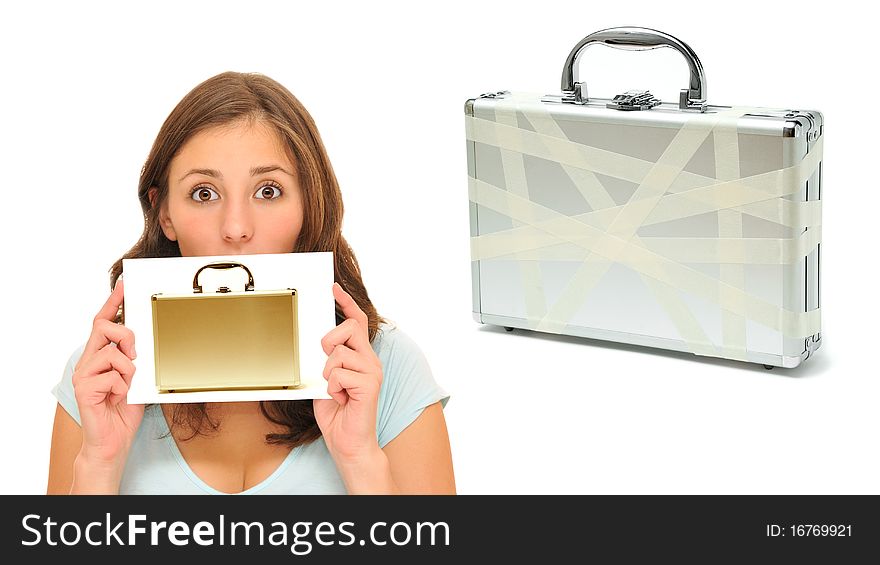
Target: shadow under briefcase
(227,340)
(683,226)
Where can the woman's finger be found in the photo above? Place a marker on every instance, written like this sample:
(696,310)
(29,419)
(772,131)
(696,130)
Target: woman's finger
(114,301)
(349,333)
(104,328)
(104,333)
(346,358)
(350,308)
(354,386)
(100,388)
(108,359)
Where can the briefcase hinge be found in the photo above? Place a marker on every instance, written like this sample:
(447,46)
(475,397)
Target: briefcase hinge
(811,344)
(578,95)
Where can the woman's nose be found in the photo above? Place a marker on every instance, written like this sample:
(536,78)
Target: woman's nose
(238,225)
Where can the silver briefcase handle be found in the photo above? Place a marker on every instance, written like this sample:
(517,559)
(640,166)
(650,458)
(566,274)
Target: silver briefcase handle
(197,288)
(636,39)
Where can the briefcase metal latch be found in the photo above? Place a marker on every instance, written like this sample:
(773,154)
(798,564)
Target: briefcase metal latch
(633,100)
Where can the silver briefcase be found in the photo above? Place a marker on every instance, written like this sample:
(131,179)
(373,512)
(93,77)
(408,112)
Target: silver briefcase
(683,226)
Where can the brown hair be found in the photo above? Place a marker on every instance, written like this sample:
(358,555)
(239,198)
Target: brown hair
(221,100)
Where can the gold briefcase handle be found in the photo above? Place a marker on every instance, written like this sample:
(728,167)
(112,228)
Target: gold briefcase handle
(197,288)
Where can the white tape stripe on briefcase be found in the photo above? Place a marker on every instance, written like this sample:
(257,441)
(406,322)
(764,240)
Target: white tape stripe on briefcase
(643,260)
(597,197)
(515,181)
(650,190)
(807,213)
(558,228)
(655,183)
(532,243)
(759,250)
(594,266)
(730,225)
(592,198)
(702,194)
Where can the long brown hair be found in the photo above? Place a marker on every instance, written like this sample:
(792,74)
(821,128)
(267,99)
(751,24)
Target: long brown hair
(227,98)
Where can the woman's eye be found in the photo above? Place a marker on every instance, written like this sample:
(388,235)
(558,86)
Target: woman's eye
(268,192)
(203,194)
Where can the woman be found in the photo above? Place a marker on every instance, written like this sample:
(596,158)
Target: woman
(239,168)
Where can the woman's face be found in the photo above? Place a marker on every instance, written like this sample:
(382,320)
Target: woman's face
(232,190)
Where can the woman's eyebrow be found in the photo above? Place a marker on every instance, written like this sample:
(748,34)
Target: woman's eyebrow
(216,174)
(207,172)
(268,169)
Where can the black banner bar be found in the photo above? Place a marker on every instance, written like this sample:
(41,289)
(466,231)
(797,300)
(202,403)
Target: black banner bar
(435,529)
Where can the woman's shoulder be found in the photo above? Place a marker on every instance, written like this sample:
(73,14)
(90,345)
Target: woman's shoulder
(63,389)
(386,334)
(76,354)
(408,384)
(393,343)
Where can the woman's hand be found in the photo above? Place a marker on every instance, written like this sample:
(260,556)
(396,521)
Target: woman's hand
(101,381)
(354,376)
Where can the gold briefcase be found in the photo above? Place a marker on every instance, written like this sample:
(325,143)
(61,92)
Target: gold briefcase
(227,340)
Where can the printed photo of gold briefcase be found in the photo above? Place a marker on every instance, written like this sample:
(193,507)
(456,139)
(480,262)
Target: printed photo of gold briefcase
(227,340)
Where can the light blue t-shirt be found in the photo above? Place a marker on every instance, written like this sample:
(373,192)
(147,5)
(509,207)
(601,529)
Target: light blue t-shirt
(156,466)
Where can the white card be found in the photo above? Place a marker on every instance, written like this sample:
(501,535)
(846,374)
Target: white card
(311,274)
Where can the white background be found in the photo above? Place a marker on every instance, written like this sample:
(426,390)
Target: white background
(85,89)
